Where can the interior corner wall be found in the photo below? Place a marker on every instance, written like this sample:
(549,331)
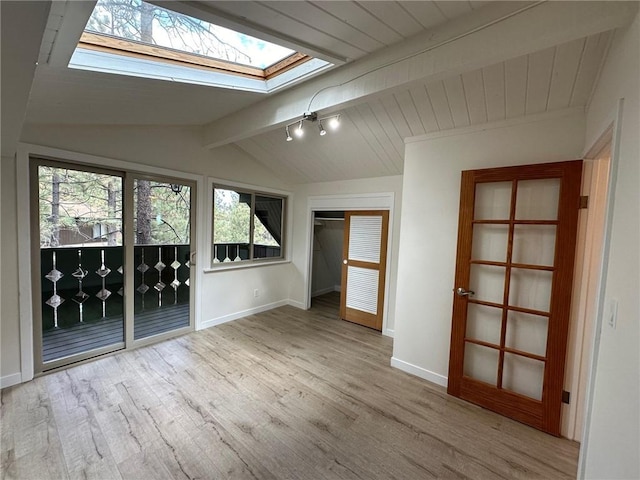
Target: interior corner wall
(9,318)
(300,260)
(429,224)
(328,239)
(612,441)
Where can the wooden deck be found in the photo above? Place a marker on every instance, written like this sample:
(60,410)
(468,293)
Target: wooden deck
(284,394)
(63,342)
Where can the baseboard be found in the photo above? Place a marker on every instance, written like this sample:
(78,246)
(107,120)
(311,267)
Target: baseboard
(337,288)
(295,303)
(389,332)
(243,313)
(322,291)
(10,380)
(419,372)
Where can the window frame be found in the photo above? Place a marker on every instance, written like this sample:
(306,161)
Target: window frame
(253,191)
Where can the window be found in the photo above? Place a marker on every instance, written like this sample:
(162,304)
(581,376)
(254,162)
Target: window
(247,225)
(123,36)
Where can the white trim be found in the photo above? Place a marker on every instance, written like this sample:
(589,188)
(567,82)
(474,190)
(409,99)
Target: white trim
(24,231)
(538,117)
(243,313)
(119,64)
(288,227)
(10,380)
(296,304)
(24,259)
(602,282)
(360,201)
(389,332)
(419,372)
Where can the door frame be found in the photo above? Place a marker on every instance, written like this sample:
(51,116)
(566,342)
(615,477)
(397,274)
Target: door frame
(352,202)
(25,282)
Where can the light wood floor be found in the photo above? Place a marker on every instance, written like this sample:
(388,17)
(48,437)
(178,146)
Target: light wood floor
(286,394)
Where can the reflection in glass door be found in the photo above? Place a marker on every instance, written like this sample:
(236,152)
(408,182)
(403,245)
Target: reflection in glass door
(80,251)
(162,257)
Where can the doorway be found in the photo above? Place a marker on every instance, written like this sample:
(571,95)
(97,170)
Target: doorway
(514,274)
(111,260)
(326,272)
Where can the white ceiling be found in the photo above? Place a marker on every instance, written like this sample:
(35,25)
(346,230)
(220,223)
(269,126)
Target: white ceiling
(370,142)
(342,28)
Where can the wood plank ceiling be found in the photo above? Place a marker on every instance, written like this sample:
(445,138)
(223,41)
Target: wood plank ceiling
(344,28)
(370,141)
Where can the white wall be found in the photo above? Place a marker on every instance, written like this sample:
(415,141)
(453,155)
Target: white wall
(612,441)
(9,331)
(224,295)
(429,224)
(328,239)
(392,184)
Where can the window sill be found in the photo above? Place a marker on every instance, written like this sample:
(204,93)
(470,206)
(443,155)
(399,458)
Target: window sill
(224,267)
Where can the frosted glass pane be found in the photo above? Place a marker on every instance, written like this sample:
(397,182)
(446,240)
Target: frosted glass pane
(490,242)
(534,244)
(481,363)
(538,199)
(527,333)
(483,323)
(523,375)
(493,201)
(530,289)
(362,289)
(365,233)
(487,282)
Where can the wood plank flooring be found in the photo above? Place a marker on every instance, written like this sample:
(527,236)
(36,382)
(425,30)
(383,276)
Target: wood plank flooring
(285,394)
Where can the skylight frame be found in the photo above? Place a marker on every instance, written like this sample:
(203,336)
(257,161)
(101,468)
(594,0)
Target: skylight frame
(204,33)
(131,48)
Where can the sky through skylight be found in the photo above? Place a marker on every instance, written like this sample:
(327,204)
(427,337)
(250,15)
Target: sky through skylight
(135,20)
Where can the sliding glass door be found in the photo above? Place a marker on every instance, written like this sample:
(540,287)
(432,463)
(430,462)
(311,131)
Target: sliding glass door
(162,257)
(90,228)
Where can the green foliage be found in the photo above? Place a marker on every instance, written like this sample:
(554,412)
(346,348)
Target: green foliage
(88,209)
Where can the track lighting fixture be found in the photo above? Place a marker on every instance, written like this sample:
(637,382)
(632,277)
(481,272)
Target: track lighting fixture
(332,120)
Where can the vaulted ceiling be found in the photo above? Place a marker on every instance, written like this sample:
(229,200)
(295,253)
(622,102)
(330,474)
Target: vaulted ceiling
(403,68)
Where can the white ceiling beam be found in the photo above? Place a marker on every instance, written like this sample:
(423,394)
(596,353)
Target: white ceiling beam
(216,16)
(492,34)
(22,26)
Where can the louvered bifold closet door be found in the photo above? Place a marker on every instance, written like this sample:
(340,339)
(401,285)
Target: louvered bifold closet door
(364,266)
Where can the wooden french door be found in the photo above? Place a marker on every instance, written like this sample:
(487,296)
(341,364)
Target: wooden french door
(364,266)
(514,272)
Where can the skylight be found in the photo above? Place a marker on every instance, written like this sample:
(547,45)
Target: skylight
(143,32)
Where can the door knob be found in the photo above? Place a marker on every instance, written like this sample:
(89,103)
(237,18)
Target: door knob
(344,261)
(464,293)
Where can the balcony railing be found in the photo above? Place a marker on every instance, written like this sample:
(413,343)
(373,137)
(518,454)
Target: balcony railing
(84,287)
(237,252)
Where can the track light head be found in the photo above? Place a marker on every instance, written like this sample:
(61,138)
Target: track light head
(298,125)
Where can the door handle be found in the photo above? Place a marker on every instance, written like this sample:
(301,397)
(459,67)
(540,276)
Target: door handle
(344,261)
(192,258)
(464,293)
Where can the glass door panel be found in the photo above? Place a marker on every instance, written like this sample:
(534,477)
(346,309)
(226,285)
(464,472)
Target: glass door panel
(162,223)
(81,264)
(516,239)
(534,244)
